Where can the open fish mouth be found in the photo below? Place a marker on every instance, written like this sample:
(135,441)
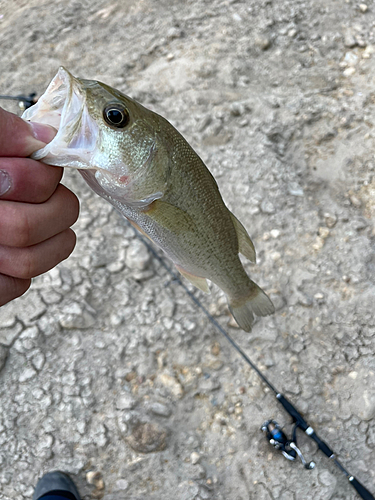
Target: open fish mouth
(63,106)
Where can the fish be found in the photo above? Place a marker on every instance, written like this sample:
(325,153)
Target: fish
(137,161)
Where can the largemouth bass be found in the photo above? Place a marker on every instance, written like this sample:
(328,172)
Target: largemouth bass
(138,161)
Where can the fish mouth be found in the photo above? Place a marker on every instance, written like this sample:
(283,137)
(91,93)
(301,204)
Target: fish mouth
(63,106)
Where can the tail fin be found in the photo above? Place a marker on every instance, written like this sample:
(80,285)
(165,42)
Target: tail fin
(257,303)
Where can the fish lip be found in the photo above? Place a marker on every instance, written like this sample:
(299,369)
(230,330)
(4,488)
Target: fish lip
(63,106)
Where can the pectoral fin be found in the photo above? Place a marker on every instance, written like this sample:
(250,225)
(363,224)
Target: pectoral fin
(246,246)
(170,217)
(200,283)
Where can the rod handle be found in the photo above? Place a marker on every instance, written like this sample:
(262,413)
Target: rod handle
(360,489)
(293,412)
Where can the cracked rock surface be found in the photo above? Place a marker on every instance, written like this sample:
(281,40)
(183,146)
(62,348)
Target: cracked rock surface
(107,370)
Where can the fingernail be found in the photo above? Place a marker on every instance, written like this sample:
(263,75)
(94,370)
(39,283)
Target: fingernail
(43,133)
(5,183)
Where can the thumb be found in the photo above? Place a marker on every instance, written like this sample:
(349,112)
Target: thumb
(21,138)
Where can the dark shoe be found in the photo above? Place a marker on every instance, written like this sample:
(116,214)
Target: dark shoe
(56,483)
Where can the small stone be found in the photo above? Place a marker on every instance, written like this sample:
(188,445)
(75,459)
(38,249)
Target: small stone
(349,71)
(319,297)
(275,233)
(167,308)
(38,360)
(122,484)
(263,43)
(8,315)
(115,267)
(137,256)
(125,402)
(305,300)
(323,232)
(237,109)
(171,383)
(194,457)
(363,7)
(215,349)
(74,316)
(275,256)
(330,220)
(356,202)
(295,189)
(95,478)
(319,244)
(148,438)
(50,296)
(160,409)
(236,17)
(349,40)
(267,207)
(27,374)
(351,59)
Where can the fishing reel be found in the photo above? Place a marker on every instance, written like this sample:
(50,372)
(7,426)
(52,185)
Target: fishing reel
(279,440)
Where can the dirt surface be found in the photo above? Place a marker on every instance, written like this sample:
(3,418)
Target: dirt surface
(107,369)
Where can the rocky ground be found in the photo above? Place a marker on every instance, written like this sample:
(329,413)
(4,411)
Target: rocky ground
(107,369)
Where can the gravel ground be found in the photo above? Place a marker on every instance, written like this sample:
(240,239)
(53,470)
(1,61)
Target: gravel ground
(107,369)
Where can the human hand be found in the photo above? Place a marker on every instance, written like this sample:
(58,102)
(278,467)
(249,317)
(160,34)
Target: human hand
(36,211)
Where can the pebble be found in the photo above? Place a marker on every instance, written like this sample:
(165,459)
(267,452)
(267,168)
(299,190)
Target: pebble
(125,402)
(137,256)
(237,109)
(171,383)
(27,374)
(122,484)
(295,189)
(323,232)
(363,7)
(160,409)
(355,201)
(349,71)
(148,438)
(8,316)
(267,207)
(96,479)
(74,316)
(194,457)
(263,43)
(330,219)
(349,40)
(38,360)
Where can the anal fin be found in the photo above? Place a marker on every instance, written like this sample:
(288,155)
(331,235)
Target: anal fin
(245,244)
(200,283)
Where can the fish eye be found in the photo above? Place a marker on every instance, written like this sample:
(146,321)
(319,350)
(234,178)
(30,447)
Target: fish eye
(116,115)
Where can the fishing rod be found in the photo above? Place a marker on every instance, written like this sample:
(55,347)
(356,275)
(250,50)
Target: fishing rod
(272,430)
(24,102)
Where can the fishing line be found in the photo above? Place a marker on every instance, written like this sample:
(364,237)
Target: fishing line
(272,429)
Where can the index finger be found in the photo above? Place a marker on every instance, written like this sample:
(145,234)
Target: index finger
(21,138)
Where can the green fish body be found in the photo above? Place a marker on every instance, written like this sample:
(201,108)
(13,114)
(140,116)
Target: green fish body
(141,164)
